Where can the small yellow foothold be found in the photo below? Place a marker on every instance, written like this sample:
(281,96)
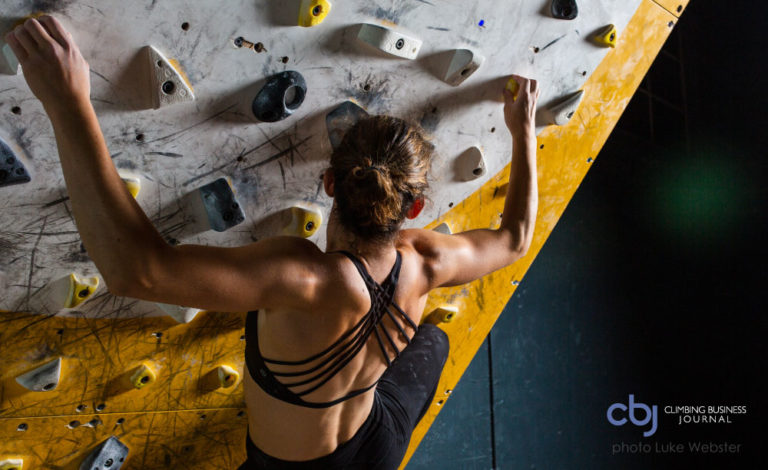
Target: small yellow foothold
(442,314)
(313,12)
(304,222)
(607,36)
(133,183)
(11,464)
(228,376)
(143,376)
(80,289)
(513,87)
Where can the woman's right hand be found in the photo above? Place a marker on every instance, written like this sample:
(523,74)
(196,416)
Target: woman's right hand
(520,112)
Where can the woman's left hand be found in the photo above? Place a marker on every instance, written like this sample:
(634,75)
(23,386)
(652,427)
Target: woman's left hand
(52,63)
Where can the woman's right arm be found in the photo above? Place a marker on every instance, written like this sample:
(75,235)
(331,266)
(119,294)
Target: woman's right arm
(460,258)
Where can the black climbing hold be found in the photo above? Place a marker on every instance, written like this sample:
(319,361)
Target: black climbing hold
(221,206)
(565,9)
(109,454)
(12,171)
(280,96)
(341,119)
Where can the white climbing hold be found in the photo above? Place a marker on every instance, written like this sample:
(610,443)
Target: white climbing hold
(563,111)
(169,83)
(471,164)
(389,41)
(462,64)
(179,313)
(9,65)
(42,379)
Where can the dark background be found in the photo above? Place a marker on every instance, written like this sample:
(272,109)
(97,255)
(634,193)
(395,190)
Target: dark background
(652,283)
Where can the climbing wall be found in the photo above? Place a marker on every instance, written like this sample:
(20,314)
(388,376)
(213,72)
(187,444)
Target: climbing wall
(170,390)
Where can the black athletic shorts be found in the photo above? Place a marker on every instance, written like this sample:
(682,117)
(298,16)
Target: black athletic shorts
(401,399)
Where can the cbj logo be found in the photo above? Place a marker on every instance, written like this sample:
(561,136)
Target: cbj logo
(651,415)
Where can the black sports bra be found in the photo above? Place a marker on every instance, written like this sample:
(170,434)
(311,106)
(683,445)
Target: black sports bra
(337,355)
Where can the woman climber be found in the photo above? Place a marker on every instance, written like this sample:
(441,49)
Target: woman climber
(338,371)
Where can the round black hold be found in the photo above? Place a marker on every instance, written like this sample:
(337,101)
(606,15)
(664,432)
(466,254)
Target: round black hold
(281,95)
(169,87)
(400,44)
(565,9)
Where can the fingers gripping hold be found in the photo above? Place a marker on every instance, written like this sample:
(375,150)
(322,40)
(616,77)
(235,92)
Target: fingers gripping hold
(56,30)
(38,33)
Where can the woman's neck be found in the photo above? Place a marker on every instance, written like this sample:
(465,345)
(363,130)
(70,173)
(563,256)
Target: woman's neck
(340,239)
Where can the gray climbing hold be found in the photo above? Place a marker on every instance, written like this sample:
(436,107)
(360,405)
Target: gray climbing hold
(12,171)
(42,379)
(341,119)
(109,455)
(280,96)
(221,205)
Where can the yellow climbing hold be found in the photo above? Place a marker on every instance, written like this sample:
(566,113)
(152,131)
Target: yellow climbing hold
(513,87)
(607,36)
(80,290)
(12,464)
(304,222)
(143,376)
(313,12)
(442,314)
(133,183)
(228,376)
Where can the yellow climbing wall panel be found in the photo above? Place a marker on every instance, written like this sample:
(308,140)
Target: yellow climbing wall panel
(565,155)
(182,420)
(676,7)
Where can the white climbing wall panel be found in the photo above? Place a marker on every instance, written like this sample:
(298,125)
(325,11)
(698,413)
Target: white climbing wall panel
(272,166)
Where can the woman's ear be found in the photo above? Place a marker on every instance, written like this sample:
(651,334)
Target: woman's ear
(328,182)
(416,208)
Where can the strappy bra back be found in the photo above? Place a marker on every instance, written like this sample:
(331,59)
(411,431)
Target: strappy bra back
(336,356)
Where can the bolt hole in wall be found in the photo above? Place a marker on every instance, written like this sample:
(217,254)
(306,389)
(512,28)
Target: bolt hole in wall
(139,137)
(16,110)
(100,407)
(22,427)
(185,26)
(120,420)
(169,87)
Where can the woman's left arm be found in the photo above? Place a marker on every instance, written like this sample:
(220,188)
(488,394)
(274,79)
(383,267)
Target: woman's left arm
(131,255)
